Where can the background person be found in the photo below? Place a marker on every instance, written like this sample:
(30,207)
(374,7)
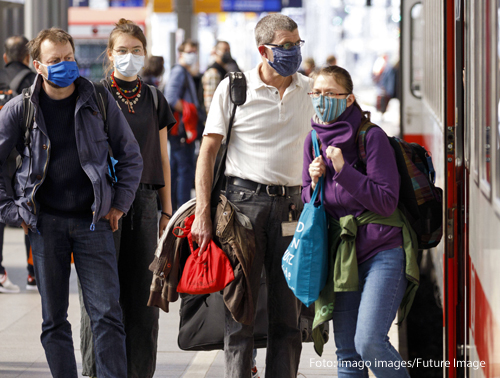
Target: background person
(331,60)
(15,76)
(153,70)
(181,92)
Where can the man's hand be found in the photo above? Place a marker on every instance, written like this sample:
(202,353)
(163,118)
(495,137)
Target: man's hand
(163,225)
(201,230)
(25,227)
(113,216)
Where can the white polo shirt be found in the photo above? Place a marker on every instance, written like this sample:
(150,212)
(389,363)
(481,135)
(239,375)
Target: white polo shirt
(268,133)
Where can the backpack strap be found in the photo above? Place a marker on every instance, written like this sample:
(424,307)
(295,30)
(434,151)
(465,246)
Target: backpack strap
(361,139)
(101,97)
(16,81)
(28,115)
(155,94)
(238,96)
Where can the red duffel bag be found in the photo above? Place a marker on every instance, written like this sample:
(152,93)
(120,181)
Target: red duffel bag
(205,274)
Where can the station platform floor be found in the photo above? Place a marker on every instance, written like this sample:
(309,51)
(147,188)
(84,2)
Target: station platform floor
(22,355)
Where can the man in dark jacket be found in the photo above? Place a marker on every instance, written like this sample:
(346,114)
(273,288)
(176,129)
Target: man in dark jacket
(65,202)
(15,76)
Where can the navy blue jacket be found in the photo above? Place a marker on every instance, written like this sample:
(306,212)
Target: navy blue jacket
(92,143)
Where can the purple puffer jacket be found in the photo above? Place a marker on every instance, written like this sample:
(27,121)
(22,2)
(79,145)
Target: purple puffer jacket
(350,191)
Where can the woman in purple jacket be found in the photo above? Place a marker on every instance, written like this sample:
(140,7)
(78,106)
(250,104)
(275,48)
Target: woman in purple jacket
(361,319)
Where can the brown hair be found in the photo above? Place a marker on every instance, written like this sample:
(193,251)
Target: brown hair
(16,48)
(153,66)
(187,42)
(342,77)
(124,26)
(54,35)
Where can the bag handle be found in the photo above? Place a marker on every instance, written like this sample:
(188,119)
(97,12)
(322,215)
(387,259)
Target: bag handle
(320,186)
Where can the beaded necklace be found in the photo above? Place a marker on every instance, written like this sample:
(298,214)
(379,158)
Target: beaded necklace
(128,99)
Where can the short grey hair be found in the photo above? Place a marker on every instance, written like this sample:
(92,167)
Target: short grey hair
(267,26)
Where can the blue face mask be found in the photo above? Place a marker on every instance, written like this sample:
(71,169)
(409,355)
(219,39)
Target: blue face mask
(329,109)
(62,74)
(286,62)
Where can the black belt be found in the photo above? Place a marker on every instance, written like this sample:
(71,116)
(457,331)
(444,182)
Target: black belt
(271,190)
(146,186)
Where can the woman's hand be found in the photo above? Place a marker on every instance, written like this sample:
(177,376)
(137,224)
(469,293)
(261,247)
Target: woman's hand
(317,168)
(335,155)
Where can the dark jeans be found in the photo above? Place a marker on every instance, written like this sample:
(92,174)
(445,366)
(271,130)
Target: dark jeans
(135,243)
(284,343)
(182,168)
(95,263)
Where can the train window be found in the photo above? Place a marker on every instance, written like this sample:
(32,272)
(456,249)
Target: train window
(467,88)
(416,61)
(484,101)
(474,81)
(496,108)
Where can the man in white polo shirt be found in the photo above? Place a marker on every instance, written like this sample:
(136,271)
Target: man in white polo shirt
(264,168)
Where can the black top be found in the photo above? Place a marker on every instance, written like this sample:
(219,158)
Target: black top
(222,71)
(66,190)
(10,71)
(145,124)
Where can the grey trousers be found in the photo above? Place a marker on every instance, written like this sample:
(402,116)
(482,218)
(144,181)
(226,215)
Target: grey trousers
(284,337)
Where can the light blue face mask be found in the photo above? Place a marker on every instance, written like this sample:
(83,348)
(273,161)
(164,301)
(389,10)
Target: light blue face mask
(329,109)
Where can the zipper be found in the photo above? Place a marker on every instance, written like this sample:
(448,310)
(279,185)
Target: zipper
(43,177)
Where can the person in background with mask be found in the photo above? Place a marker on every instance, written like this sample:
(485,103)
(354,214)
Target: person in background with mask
(263,173)
(181,94)
(361,318)
(138,231)
(64,201)
(153,71)
(216,72)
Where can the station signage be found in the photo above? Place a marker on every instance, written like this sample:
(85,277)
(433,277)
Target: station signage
(251,5)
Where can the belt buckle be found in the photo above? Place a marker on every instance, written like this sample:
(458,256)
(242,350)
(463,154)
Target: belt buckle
(283,191)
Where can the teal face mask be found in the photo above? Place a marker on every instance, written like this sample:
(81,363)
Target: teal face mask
(329,109)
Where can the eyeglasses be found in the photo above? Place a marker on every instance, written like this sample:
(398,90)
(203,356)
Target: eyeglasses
(288,45)
(135,51)
(327,94)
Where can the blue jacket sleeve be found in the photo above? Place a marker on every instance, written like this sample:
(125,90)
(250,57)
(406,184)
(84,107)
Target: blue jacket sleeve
(175,86)
(126,150)
(10,135)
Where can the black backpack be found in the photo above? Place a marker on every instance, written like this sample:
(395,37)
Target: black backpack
(9,93)
(419,199)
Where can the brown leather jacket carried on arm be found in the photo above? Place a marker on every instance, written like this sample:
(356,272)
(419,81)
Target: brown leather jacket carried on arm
(234,232)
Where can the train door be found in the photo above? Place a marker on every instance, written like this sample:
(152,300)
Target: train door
(412,70)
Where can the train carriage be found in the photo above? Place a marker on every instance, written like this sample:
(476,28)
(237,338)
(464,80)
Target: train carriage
(450,57)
